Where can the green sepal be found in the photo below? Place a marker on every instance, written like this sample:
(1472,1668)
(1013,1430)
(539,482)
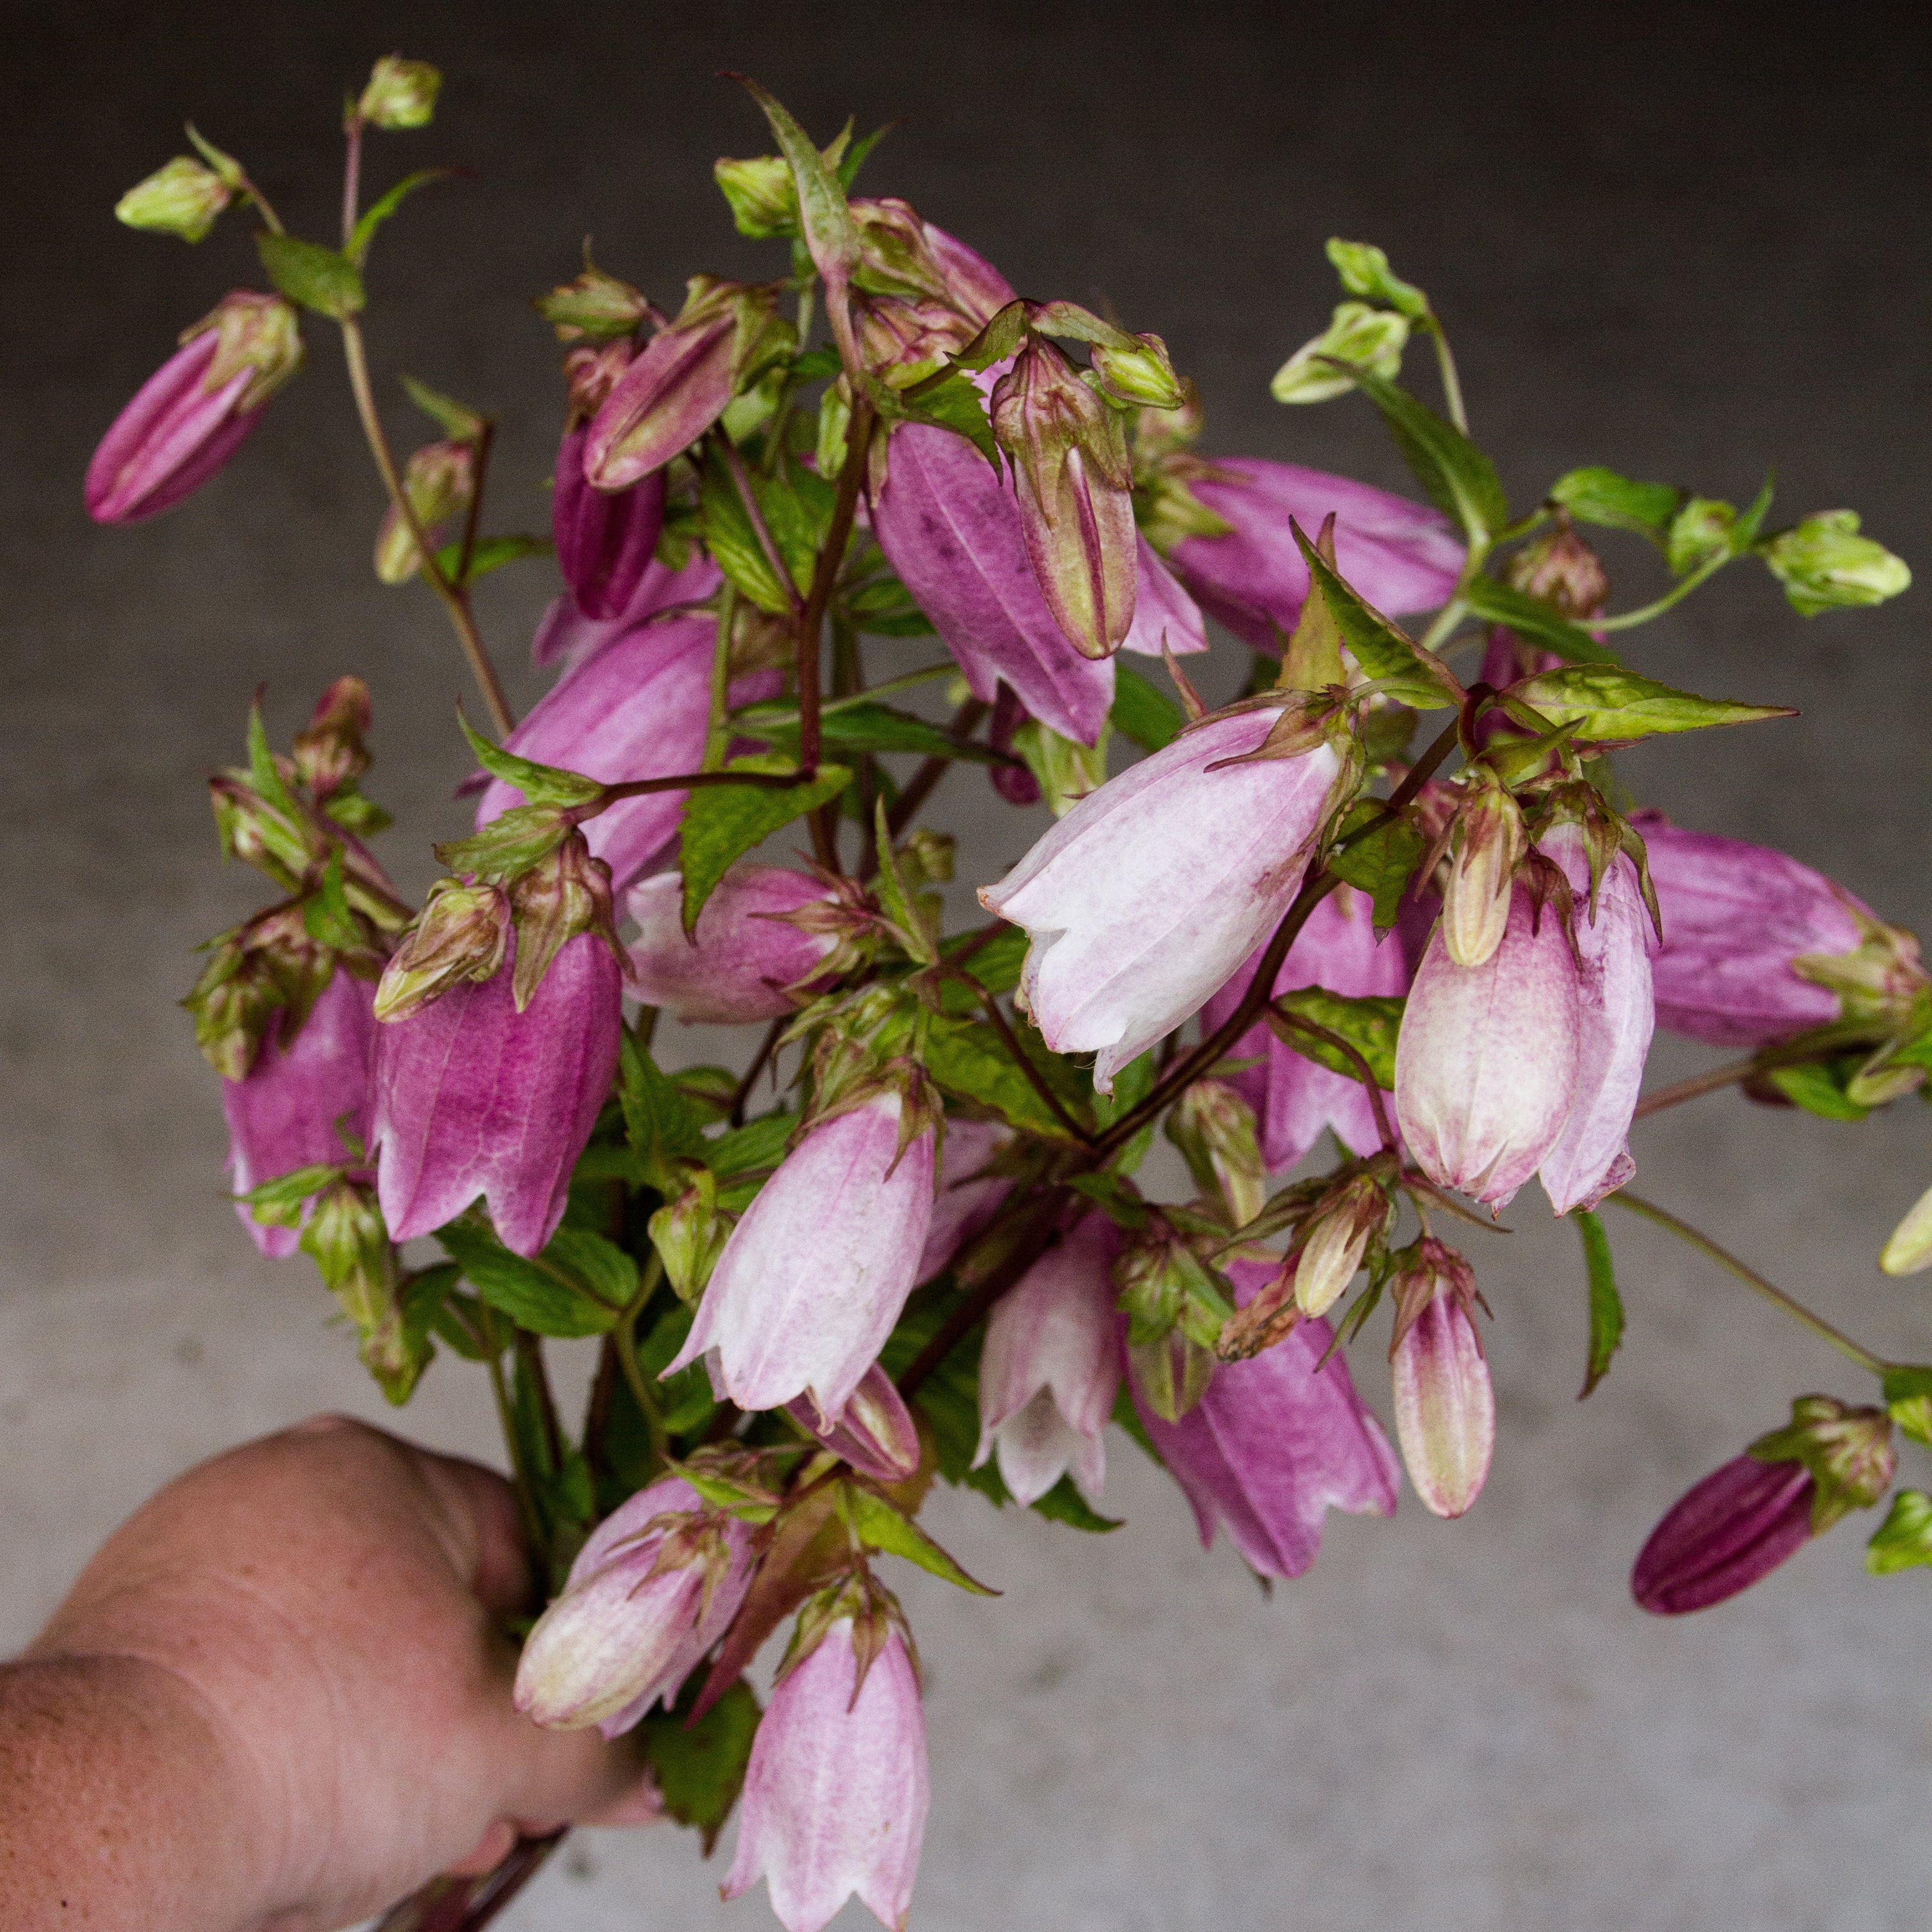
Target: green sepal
(1369,1022)
(826,221)
(1399,666)
(1908,1400)
(576,1286)
(328,918)
(1903,1541)
(278,1203)
(1819,1088)
(1141,712)
(954,403)
(314,277)
(489,553)
(1606,1307)
(540,784)
(699,1767)
(722,823)
(378,211)
(1458,479)
(1611,705)
(881,1525)
(1377,858)
(1595,495)
(457,420)
(1531,619)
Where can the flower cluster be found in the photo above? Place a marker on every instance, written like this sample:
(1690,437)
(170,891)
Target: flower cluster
(1388,892)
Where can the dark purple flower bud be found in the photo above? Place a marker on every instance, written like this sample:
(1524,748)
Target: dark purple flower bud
(474,1097)
(293,1108)
(605,540)
(1736,1525)
(1014,783)
(195,411)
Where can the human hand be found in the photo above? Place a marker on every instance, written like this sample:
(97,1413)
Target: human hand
(278,1699)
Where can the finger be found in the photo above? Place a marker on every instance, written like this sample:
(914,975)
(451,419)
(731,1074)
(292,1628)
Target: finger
(495,1564)
(563,1777)
(491,1849)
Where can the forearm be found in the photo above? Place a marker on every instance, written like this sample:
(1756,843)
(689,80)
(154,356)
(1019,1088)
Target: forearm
(121,1804)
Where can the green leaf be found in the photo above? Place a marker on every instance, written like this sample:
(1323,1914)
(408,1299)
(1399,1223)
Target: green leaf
(1461,481)
(830,232)
(489,553)
(1819,1088)
(970,1060)
(1608,705)
(1530,617)
(1408,673)
(684,1400)
(1381,861)
(540,784)
(328,918)
(317,278)
(1606,1307)
(1064,1503)
(379,210)
(1595,495)
(544,1294)
(722,823)
(1369,1023)
(1903,1541)
(879,1524)
(700,1767)
(658,1120)
(1127,1418)
(1908,1400)
(1132,1085)
(734,544)
(862,727)
(757,1144)
(600,1265)
(278,1203)
(886,608)
(996,964)
(1142,713)
(954,403)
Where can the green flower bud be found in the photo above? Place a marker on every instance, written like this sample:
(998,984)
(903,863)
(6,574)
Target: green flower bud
(400,94)
(1910,1250)
(1364,270)
(183,199)
(462,935)
(1371,338)
(1144,376)
(595,307)
(1825,565)
(1903,1541)
(763,195)
(1700,531)
(438,480)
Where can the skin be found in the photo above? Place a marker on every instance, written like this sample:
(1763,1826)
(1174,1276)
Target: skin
(278,1699)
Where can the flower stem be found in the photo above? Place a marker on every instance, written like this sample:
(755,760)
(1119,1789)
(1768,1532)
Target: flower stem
(1625,620)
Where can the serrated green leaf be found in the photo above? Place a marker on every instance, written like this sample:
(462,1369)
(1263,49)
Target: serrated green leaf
(757,1144)
(1382,861)
(1819,1088)
(1408,673)
(1595,495)
(722,823)
(1608,705)
(955,403)
(996,964)
(700,1767)
(316,278)
(878,1525)
(1535,621)
(602,1267)
(863,727)
(278,1203)
(968,1060)
(1369,1023)
(1459,479)
(658,1121)
(1143,713)
(379,212)
(542,1293)
(540,784)
(1606,1307)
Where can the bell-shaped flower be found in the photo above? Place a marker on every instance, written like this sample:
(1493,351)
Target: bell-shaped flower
(1294,1099)
(836,1793)
(637,709)
(1051,1366)
(745,952)
(1736,916)
(1445,1409)
(195,411)
(1722,1534)
(875,1432)
(968,1195)
(815,1273)
(474,1097)
(1144,899)
(1616,1017)
(285,1113)
(605,539)
(1275,1443)
(1164,613)
(1485,1061)
(1395,555)
(564,637)
(653,1590)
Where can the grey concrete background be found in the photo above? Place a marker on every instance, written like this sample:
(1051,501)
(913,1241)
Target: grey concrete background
(1689,241)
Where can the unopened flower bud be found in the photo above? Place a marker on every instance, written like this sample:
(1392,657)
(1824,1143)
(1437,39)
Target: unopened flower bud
(763,195)
(352,1252)
(1561,569)
(400,94)
(1825,565)
(904,339)
(461,936)
(1699,533)
(1176,1308)
(271,964)
(1910,1250)
(1142,376)
(1722,1534)
(1214,1128)
(726,334)
(595,307)
(1445,1409)
(1849,1452)
(1069,456)
(689,1233)
(1372,338)
(750,948)
(329,752)
(438,480)
(183,198)
(1486,844)
(563,896)
(875,1432)
(1337,1240)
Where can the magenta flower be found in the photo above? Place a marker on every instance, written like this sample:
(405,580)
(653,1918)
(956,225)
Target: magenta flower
(813,1278)
(1445,1409)
(1294,1099)
(1724,1533)
(1395,554)
(836,1793)
(605,538)
(1615,1019)
(875,1432)
(967,1197)
(1273,1445)
(1735,917)
(195,411)
(1486,1062)
(745,952)
(654,1588)
(637,709)
(1051,1366)
(564,637)
(1163,612)
(1151,891)
(473,1097)
(977,289)
(283,1114)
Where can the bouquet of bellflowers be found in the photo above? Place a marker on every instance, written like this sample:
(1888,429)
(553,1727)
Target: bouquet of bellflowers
(1392,894)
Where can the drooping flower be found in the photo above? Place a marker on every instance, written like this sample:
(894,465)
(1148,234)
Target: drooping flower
(1050,1367)
(836,1791)
(472,1097)
(1145,897)
(814,1275)
(1164,613)
(564,637)
(1722,1534)
(1445,1409)
(1615,1016)
(1736,916)
(284,1113)
(605,538)
(875,1432)
(1274,1444)
(195,411)
(967,1197)
(745,952)
(1294,1099)
(1395,554)
(1486,1062)
(653,1590)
